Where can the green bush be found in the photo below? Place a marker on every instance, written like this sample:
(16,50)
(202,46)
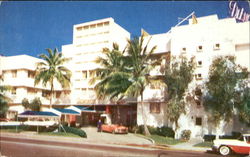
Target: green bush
(165,131)
(185,135)
(75,131)
(209,138)
(161,131)
(152,130)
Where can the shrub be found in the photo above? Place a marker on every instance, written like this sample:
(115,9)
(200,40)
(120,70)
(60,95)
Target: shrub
(185,135)
(209,138)
(75,131)
(35,104)
(152,130)
(165,131)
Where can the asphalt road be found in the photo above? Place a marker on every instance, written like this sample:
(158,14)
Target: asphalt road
(17,147)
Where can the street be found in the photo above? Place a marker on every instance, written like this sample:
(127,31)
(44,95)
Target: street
(17,147)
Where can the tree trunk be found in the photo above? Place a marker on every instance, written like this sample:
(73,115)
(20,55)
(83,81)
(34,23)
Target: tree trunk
(146,131)
(51,94)
(118,114)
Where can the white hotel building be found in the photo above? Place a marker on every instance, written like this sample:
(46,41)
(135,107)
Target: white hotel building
(209,38)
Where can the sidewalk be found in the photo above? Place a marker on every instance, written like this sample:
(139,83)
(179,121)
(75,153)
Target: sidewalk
(190,146)
(117,140)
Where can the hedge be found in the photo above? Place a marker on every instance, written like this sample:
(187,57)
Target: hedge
(75,131)
(161,131)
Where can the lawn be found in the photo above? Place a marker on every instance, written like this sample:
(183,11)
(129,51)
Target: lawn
(204,144)
(162,140)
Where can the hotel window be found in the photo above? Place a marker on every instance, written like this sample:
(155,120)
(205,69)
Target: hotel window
(99,24)
(216,46)
(79,28)
(155,107)
(198,76)
(199,63)
(92,26)
(58,94)
(106,23)
(85,27)
(13,91)
(31,91)
(198,121)
(184,49)
(14,73)
(198,103)
(199,48)
(31,74)
(84,74)
(45,93)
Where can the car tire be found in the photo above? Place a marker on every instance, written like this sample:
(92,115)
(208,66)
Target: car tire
(224,150)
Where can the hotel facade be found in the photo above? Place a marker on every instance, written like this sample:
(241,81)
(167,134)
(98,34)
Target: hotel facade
(209,38)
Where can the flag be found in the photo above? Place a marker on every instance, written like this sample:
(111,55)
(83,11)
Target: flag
(194,20)
(144,33)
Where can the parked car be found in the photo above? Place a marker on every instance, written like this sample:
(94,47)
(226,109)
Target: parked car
(114,128)
(228,146)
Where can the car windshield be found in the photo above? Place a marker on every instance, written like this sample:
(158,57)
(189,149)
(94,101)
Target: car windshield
(241,138)
(248,139)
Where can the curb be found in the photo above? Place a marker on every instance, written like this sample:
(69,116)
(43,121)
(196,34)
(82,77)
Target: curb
(147,138)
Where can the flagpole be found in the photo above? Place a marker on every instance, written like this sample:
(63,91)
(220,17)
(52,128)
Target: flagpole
(182,21)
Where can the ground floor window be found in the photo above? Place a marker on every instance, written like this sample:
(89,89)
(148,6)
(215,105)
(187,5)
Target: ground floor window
(198,121)
(155,107)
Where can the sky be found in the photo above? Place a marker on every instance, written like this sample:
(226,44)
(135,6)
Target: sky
(30,27)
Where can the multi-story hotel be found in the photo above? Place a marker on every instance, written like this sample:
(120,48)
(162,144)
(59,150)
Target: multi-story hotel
(18,72)
(209,38)
(88,41)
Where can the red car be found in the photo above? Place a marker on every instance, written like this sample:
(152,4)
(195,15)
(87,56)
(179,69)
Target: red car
(240,146)
(114,128)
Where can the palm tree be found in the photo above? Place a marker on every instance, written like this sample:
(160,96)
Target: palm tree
(52,69)
(113,75)
(3,100)
(141,65)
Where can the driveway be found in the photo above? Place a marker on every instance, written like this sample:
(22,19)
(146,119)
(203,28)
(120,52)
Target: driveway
(109,138)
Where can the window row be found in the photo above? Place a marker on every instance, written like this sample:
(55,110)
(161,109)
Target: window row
(93,34)
(92,26)
(45,93)
(30,73)
(95,43)
(199,48)
(90,52)
(89,74)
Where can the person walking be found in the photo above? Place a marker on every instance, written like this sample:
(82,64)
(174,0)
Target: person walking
(99,125)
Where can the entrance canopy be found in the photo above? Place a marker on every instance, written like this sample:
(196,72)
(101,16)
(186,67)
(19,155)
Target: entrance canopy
(67,111)
(37,114)
(85,109)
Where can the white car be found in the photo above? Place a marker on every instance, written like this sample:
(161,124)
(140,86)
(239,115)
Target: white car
(227,146)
